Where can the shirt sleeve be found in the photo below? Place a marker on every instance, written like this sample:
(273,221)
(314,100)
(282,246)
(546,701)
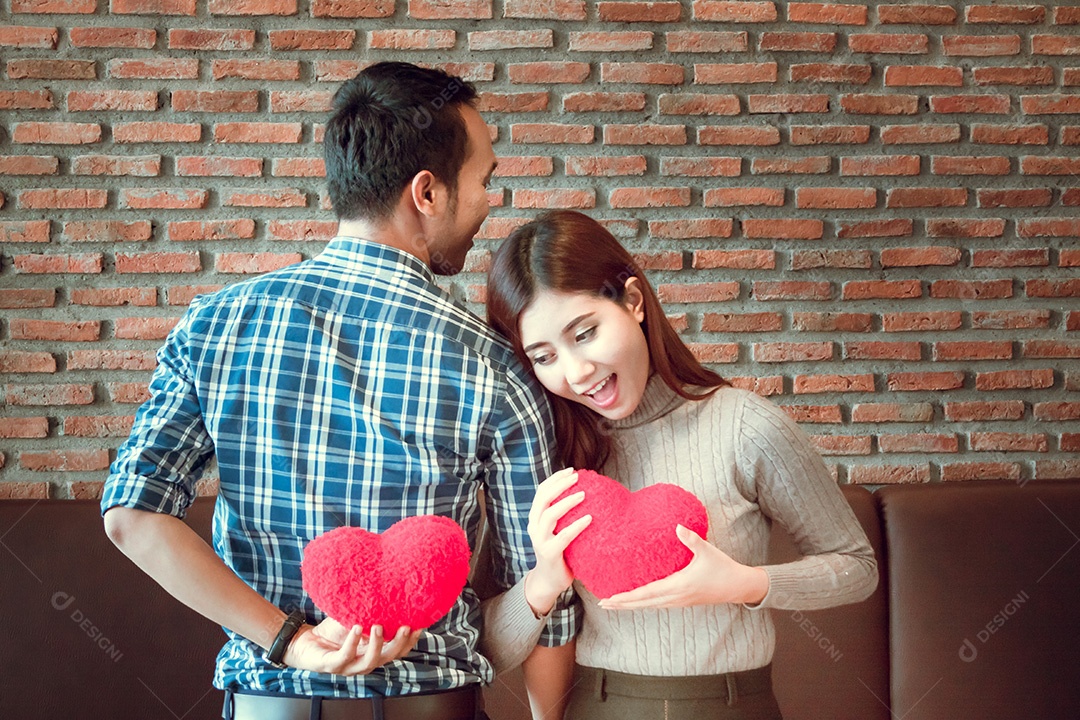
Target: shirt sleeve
(793,487)
(521,458)
(158,465)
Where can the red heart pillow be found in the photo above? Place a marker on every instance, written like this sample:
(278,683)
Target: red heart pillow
(410,575)
(631,540)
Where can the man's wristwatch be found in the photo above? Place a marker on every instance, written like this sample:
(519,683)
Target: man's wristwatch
(285,635)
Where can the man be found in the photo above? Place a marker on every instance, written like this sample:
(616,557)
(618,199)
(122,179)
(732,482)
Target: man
(348,390)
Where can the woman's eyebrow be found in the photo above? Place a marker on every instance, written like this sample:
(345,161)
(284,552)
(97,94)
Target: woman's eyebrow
(569,326)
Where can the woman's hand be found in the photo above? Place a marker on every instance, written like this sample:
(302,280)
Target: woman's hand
(331,648)
(712,577)
(551,576)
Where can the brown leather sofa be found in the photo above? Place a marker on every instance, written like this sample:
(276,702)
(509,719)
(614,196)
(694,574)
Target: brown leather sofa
(976,616)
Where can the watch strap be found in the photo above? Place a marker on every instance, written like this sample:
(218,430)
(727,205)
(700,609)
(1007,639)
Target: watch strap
(285,635)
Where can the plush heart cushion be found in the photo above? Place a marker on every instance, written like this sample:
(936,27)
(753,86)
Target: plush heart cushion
(410,575)
(631,540)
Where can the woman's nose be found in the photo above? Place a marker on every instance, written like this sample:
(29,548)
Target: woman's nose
(579,371)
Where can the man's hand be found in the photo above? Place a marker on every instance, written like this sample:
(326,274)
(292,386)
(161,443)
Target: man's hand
(712,577)
(331,648)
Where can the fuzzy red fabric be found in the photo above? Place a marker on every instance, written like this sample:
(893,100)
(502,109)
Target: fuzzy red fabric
(410,575)
(631,540)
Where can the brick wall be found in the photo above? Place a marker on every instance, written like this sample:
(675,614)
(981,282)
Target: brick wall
(865,211)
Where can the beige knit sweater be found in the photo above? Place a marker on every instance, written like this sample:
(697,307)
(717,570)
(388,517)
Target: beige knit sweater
(748,462)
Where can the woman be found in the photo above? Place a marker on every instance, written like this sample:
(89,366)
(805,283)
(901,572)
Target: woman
(632,402)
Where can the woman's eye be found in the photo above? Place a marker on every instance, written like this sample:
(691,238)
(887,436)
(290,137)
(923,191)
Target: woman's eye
(541,359)
(586,334)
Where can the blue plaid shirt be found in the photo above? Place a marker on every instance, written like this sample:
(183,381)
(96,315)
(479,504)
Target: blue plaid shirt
(345,390)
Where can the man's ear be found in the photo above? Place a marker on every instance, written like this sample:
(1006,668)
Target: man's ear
(428,193)
(634,299)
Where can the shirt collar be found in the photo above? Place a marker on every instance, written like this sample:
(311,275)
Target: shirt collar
(367,257)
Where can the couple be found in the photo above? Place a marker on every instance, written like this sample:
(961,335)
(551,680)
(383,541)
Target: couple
(352,390)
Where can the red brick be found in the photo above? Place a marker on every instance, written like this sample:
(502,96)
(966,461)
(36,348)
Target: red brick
(919,134)
(741,322)
(698,104)
(889,43)
(882,289)
(1069,257)
(55,133)
(1010,320)
(239,229)
(814,413)
(965,228)
(920,256)
(44,395)
(763,386)
(919,443)
(734,11)
(1020,197)
(1052,287)
(28,231)
(603,102)
(210,39)
(927,197)
(646,197)
(797,42)
(715,352)
(252,7)
(352,8)
(285,40)
(597,166)
(812,384)
(468,71)
(163,199)
(118,100)
(788,103)
(765,290)
(783,229)
(877,350)
(26,36)
(552,133)
(82,263)
(922,321)
(622,41)
(152,7)
(111,360)
(256,69)
(639,11)
(1008,442)
(277,198)
(132,393)
(301,101)
(158,262)
(545,9)
(29,165)
(1056,411)
(869,104)
(793,352)
(1005,14)
(17,361)
(969,165)
(980,411)
(154,68)
(1011,134)
(506,39)
(65,460)
(980,45)
(1057,469)
(892,412)
(416,39)
(972,289)
(829,134)
(1030,257)
(1036,75)
(24,427)
(880,165)
(1049,227)
(134,166)
(202,166)
(99,426)
(554,198)
(829,445)
(154,132)
(298,167)
(1030,165)
(644,134)
(827,13)
(940,381)
(691,228)
(847,259)
(307,230)
(735,259)
(1054,45)
(693,41)
(813,165)
(26,99)
(916,14)
(967,104)
(258,132)
(113,297)
(1070,442)
(738,135)
(1065,15)
(113,37)
(960,472)
(23,298)
(254,263)
(51,70)
(701,166)
(747,197)
(968,350)
(641,72)
(831,73)
(698,292)
(62,198)
(450,9)
(223,101)
(832,322)
(835,198)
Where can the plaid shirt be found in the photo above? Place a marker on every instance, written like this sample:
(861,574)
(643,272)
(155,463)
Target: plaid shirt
(346,390)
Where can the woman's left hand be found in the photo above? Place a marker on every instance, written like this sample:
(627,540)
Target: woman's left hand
(712,577)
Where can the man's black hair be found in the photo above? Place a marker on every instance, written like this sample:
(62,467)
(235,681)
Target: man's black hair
(390,122)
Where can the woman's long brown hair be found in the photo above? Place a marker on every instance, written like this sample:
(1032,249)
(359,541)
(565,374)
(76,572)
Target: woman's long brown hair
(566,251)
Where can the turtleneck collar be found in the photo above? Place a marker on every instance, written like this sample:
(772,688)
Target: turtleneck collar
(657,401)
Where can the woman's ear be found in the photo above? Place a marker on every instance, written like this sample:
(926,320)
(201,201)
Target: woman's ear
(634,299)
(427,193)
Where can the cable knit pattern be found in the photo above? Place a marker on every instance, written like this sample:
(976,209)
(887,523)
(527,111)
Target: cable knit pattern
(750,465)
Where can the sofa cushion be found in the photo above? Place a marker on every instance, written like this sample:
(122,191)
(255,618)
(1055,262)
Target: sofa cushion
(983,581)
(834,663)
(87,633)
